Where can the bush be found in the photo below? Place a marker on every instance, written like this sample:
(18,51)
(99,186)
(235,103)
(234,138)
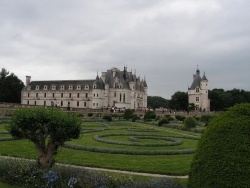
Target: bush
(222,156)
(135,117)
(190,122)
(163,121)
(169,117)
(128,114)
(107,117)
(90,114)
(149,115)
(180,117)
(207,118)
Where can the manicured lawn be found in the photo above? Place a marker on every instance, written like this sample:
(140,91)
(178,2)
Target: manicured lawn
(3,185)
(163,164)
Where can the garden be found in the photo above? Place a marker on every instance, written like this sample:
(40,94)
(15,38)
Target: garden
(120,145)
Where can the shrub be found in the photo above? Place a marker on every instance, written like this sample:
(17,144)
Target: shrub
(128,114)
(190,122)
(135,117)
(207,118)
(222,156)
(90,114)
(107,117)
(180,117)
(149,115)
(163,121)
(169,117)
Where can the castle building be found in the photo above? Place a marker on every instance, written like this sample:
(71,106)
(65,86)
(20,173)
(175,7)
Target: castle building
(114,88)
(198,92)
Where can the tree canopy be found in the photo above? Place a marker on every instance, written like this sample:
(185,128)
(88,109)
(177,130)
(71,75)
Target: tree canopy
(221,100)
(157,102)
(179,101)
(10,87)
(46,128)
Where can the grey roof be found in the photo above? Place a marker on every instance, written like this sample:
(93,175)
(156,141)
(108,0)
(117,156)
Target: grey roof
(204,77)
(197,79)
(59,83)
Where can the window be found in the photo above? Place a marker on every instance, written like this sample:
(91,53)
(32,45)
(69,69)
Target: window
(96,104)
(28,102)
(78,95)
(53,94)
(45,95)
(77,103)
(62,87)
(61,103)
(28,94)
(197,90)
(85,104)
(94,86)
(53,87)
(36,94)
(114,94)
(69,95)
(44,103)
(28,87)
(94,94)
(120,97)
(78,87)
(93,104)
(37,87)
(35,103)
(45,87)
(124,97)
(86,95)
(61,95)
(86,87)
(70,87)
(197,99)
(97,95)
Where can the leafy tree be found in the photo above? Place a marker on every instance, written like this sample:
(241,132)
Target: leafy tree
(47,129)
(157,102)
(222,156)
(10,87)
(179,101)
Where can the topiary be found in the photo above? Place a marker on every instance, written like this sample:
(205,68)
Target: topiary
(222,158)
(163,121)
(190,122)
(149,115)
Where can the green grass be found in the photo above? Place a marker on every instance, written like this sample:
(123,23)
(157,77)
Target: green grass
(162,164)
(4,185)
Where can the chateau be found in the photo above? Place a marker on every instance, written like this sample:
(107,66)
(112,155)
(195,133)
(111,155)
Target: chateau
(114,88)
(198,92)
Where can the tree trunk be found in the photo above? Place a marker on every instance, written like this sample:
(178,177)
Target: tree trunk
(45,159)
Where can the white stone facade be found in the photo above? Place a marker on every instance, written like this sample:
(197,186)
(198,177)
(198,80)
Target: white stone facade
(115,88)
(198,92)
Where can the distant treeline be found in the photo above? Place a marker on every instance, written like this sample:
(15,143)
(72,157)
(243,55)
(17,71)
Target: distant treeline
(219,99)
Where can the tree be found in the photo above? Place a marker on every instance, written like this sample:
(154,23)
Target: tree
(222,156)
(179,101)
(157,102)
(46,128)
(10,87)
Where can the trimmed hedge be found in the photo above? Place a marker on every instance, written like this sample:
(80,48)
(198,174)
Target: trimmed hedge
(222,158)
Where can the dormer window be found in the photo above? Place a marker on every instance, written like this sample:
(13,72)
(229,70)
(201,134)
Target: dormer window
(62,87)
(28,88)
(45,87)
(86,87)
(94,86)
(37,87)
(70,87)
(53,87)
(197,90)
(78,87)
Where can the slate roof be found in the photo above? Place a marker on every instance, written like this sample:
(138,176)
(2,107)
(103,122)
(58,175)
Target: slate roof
(197,79)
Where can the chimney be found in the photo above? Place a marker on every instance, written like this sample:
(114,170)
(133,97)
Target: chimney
(28,80)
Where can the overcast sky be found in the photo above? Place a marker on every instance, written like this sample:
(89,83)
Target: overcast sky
(163,40)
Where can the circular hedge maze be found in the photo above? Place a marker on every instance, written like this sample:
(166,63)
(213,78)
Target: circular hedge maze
(132,139)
